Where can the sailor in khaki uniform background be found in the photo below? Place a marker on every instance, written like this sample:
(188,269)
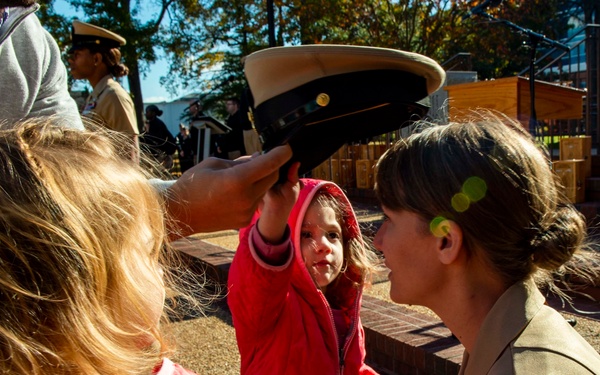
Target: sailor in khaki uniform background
(95,56)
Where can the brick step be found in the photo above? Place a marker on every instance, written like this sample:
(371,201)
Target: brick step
(398,340)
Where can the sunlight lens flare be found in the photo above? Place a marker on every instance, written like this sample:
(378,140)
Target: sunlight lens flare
(475,188)
(439,226)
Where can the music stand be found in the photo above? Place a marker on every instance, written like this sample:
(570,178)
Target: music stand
(208,125)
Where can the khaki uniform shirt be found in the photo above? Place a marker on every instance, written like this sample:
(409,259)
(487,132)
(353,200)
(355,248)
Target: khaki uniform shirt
(521,335)
(111,105)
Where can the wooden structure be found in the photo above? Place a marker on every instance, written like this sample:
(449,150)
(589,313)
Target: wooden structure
(578,148)
(574,166)
(352,165)
(511,96)
(572,176)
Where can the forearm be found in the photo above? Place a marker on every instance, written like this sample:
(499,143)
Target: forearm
(257,290)
(274,254)
(273,223)
(278,203)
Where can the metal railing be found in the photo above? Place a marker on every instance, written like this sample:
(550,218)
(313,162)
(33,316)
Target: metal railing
(460,61)
(578,67)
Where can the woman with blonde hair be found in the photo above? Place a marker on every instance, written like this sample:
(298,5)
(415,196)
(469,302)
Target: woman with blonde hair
(476,222)
(83,273)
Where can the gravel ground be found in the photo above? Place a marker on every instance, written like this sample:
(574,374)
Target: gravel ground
(207,344)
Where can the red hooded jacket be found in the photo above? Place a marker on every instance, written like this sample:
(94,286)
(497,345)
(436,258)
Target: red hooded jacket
(283,322)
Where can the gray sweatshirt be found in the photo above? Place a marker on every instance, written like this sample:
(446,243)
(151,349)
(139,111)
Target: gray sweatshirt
(33,79)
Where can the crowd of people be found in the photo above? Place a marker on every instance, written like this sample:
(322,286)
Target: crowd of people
(188,145)
(475,224)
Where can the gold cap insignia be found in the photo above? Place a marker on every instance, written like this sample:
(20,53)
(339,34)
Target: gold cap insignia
(322,100)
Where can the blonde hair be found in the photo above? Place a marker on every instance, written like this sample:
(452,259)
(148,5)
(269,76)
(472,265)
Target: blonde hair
(491,178)
(78,227)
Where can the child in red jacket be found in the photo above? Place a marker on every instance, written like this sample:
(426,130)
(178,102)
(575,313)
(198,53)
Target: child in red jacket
(295,284)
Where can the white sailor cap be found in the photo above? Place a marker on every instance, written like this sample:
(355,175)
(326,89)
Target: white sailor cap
(319,97)
(85,34)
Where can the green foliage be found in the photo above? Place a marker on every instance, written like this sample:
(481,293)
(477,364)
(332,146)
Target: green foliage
(204,41)
(501,51)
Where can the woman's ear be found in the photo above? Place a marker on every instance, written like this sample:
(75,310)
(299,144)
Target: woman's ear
(97,58)
(450,245)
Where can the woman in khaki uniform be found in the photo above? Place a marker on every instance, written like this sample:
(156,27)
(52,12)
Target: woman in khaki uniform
(95,56)
(475,223)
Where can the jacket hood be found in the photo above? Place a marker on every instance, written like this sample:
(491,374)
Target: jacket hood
(344,286)
(345,289)
(310,187)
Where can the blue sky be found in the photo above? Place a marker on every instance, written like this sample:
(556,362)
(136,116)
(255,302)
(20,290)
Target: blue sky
(152,91)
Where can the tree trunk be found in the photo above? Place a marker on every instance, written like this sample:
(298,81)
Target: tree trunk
(135,87)
(271,22)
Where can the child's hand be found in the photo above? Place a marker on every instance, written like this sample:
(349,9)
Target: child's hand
(235,189)
(277,205)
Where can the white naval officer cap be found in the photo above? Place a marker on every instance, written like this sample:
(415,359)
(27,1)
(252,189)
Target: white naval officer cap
(84,34)
(316,98)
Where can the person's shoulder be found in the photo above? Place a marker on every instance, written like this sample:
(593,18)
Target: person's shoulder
(161,123)
(535,361)
(114,85)
(25,18)
(549,340)
(25,28)
(237,117)
(117,92)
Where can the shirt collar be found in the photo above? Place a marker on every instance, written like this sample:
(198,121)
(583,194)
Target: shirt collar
(3,15)
(506,320)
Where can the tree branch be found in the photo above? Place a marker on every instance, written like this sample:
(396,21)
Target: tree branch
(165,6)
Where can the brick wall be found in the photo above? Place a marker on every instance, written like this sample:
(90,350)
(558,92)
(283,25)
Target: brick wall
(402,341)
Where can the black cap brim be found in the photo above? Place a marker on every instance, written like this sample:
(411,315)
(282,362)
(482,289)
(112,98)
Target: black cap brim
(90,41)
(319,117)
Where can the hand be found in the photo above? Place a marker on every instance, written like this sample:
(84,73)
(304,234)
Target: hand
(219,194)
(277,205)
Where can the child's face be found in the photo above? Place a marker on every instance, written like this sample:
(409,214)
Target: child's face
(322,244)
